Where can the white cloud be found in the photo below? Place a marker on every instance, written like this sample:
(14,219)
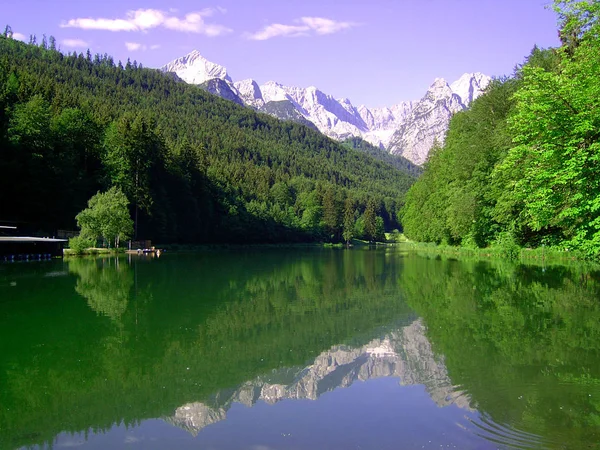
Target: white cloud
(307,26)
(100,24)
(146,19)
(74,43)
(278,29)
(135,46)
(19,36)
(325,26)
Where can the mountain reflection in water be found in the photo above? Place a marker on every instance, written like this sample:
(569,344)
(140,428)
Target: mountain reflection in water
(404,353)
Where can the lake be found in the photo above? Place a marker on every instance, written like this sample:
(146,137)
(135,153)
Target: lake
(268,349)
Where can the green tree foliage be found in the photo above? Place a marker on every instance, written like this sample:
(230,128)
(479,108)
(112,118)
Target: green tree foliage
(332,213)
(397,161)
(132,148)
(522,165)
(107,216)
(553,173)
(370,220)
(196,168)
(349,219)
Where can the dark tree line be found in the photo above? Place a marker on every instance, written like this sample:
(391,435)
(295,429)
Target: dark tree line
(195,168)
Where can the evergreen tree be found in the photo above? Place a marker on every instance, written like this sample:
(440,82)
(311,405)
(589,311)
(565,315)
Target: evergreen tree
(370,220)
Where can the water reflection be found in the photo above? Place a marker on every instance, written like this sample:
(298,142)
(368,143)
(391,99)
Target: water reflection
(473,355)
(404,353)
(105,284)
(523,341)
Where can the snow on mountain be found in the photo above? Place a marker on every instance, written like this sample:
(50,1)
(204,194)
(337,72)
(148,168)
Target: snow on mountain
(193,68)
(250,93)
(379,138)
(383,122)
(428,121)
(286,110)
(378,119)
(408,128)
(470,86)
(335,118)
(273,92)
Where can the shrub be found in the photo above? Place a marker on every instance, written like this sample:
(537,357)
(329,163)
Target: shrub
(507,245)
(79,245)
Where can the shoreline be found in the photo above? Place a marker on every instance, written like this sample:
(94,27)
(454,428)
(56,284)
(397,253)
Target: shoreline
(192,248)
(530,255)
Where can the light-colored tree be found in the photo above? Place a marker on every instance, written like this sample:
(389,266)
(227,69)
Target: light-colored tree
(106,216)
(349,220)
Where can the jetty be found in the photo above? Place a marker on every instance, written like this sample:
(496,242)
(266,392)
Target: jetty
(25,248)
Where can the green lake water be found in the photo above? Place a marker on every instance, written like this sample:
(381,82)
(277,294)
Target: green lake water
(298,349)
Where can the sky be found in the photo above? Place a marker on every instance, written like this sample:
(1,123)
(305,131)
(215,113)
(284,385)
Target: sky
(374,52)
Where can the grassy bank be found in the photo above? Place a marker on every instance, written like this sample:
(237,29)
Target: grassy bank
(541,254)
(92,251)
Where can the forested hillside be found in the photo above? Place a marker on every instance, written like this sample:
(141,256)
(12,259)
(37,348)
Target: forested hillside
(522,167)
(397,161)
(195,168)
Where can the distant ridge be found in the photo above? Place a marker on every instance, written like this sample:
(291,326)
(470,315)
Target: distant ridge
(408,128)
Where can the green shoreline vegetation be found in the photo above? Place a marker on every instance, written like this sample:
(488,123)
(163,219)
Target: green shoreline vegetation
(520,169)
(534,256)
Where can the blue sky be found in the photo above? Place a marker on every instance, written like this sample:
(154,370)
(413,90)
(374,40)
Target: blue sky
(374,52)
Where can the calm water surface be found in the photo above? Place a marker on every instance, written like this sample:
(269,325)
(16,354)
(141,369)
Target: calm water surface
(298,349)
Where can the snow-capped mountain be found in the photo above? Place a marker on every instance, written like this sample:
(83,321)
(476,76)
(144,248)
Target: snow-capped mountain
(470,86)
(408,128)
(250,93)
(428,120)
(335,118)
(193,68)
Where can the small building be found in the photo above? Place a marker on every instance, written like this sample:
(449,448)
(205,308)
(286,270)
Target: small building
(14,248)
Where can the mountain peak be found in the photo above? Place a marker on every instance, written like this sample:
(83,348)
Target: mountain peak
(428,120)
(439,82)
(439,89)
(194,54)
(470,86)
(194,68)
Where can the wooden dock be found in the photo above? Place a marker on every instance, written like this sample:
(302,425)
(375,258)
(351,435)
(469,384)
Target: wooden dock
(25,248)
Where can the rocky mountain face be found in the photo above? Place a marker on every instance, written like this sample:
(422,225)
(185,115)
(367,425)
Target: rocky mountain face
(408,128)
(221,88)
(405,353)
(286,110)
(428,120)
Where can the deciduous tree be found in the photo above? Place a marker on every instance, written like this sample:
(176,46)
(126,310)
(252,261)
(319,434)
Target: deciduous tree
(106,216)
